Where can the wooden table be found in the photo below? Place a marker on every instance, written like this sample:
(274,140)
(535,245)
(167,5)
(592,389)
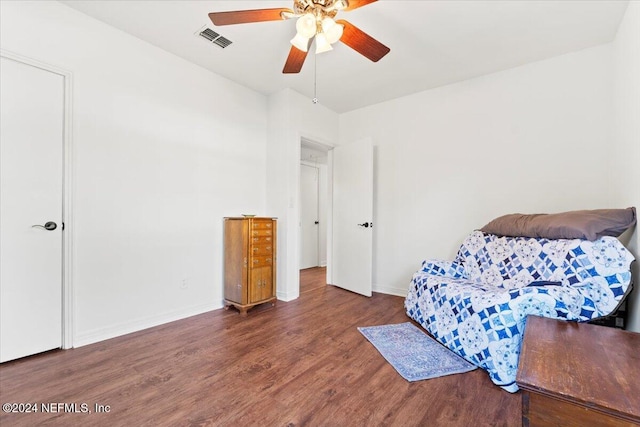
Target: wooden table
(577,374)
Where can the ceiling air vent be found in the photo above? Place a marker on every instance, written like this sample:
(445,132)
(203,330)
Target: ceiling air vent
(222,42)
(213,37)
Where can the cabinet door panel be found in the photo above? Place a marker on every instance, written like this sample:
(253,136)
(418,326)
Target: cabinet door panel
(235,261)
(255,278)
(260,288)
(267,280)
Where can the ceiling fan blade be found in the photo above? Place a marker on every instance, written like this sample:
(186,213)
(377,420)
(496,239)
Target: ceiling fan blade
(246,16)
(362,42)
(295,60)
(354,4)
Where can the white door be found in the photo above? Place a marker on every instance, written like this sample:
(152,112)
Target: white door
(352,242)
(308,216)
(31,168)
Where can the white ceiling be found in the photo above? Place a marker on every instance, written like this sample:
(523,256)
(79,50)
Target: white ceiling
(433,43)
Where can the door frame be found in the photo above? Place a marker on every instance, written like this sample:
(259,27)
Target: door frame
(68,300)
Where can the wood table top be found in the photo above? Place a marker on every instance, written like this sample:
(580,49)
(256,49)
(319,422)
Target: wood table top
(593,365)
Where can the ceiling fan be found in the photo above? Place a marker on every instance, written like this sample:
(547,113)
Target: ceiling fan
(315,20)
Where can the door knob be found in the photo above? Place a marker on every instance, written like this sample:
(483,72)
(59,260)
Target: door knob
(316,222)
(366,225)
(49,226)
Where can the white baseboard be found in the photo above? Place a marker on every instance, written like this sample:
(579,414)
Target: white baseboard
(286,297)
(120,329)
(390,290)
(117,330)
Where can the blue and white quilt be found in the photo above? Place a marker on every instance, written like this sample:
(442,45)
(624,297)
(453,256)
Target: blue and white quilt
(477,305)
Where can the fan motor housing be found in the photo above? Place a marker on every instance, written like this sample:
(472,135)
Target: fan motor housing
(310,6)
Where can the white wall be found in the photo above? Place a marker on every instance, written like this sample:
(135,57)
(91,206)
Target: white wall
(163,150)
(625,167)
(291,118)
(536,138)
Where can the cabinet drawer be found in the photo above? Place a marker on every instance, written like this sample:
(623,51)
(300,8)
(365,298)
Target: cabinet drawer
(261,240)
(260,261)
(261,232)
(262,225)
(264,249)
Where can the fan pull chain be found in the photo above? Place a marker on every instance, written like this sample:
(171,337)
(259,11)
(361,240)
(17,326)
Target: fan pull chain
(315,78)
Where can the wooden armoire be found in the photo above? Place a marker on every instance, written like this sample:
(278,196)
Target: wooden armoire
(249,262)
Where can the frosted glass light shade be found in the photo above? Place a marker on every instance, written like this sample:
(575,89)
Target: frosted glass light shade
(332,30)
(322,44)
(300,42)
(306,25)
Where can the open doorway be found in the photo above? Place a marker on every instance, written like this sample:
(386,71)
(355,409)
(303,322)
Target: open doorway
(313,219)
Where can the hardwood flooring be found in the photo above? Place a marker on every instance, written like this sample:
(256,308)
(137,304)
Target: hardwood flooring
(301,363)
(313,278)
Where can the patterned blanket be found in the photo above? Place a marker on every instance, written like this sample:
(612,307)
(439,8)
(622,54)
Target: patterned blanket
(477,305)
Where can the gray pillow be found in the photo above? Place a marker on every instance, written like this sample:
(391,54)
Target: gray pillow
(585,224)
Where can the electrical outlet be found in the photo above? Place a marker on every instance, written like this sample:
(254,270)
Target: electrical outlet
(184,284)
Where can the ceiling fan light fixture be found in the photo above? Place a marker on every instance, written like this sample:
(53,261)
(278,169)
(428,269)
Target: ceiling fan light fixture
(306,25)
(314,19)
(332,30)
(322,44)
(300,42)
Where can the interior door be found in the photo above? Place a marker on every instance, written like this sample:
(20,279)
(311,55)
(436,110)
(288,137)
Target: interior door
(352,240)
(308,216)
(31,176)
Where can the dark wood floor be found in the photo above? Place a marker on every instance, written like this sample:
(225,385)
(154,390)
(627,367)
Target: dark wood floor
(301,363)
(312,279)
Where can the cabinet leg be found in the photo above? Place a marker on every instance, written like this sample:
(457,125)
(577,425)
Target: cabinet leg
(243,311)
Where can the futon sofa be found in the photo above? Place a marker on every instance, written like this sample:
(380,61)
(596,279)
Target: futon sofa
(477,304)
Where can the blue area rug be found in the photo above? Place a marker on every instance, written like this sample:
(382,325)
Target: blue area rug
(414,354)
